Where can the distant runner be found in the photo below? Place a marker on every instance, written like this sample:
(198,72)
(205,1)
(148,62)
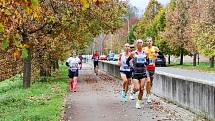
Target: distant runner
(81,59)
(95,58)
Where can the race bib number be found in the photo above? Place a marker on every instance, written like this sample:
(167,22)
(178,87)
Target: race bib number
(125,67)
(141,60)
(73,68)
(150,61)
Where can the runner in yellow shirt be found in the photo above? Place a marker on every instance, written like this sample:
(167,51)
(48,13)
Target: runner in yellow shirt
(151,52)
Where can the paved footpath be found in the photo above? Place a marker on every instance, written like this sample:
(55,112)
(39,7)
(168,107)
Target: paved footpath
(97,99)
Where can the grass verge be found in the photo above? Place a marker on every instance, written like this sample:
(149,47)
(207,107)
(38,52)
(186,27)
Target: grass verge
(202,67)
(43,101)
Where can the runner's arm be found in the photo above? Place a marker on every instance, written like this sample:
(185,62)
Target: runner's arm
(156,52)
(92,56)
(129,58)
(79,61)
(67,62)
(119,60)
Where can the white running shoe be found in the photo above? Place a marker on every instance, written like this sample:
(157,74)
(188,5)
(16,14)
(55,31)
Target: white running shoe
(149,99)
(126,98)
(138,104)
(132,96)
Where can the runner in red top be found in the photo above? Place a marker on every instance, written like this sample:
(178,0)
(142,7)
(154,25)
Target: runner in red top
(152,52)
(95,58)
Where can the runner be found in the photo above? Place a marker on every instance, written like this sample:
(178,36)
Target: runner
(125,72)
(81,59)
(132,97)
(72,62)
(139,71)
(152,55)
(95,58)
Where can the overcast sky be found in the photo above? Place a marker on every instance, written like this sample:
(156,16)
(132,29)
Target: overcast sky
(142,4)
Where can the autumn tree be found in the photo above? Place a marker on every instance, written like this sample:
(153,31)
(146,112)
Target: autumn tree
(203,28)
(176,22)
(144,26)
(38,27)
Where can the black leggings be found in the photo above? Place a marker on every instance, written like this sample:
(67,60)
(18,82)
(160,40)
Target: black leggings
(96,63)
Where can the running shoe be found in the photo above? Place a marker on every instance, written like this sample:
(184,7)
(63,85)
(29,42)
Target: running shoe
(122,93)
(149,99)
(132,96)
(138,104)
(126,98)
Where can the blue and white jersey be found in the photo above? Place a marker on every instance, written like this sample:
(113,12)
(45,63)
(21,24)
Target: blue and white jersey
(73,63)
(124,66)
(139,62)
(140,58)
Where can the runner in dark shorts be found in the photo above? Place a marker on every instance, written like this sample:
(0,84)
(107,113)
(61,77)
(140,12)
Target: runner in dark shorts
(125,72)
(140,75)
(95,58)
(72,62)
(81,59)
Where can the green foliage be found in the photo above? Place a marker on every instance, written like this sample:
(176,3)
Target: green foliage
(24,53)
(151,11)
(203,27)
(1,27)
(205,38)
(146,26)
(34,2)
(175,31)
(5,43)
(131,35)
(43,101)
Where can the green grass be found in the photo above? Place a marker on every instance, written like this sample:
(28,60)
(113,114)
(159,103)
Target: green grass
(203,66)
(41,102)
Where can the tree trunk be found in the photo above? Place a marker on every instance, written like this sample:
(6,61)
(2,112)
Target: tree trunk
(42,71)
(198,58)
(194,59)
(45,70)
(49,69)
(27,70)
(27,62)
(211,62)
(55,65)
(42,66)
(169,59)
(182,56)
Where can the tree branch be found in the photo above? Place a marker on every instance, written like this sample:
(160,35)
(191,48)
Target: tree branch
(51,3)
(40,28)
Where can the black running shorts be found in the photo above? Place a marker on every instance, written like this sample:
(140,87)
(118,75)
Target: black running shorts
(73,73)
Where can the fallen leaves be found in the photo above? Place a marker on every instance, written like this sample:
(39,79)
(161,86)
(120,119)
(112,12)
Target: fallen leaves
(42,99)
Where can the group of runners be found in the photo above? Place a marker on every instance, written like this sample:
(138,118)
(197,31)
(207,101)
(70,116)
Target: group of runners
(137,68)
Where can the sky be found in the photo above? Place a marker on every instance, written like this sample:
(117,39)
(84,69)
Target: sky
(142,4)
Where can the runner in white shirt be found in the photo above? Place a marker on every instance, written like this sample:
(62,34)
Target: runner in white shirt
(72,62)
(125,71)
